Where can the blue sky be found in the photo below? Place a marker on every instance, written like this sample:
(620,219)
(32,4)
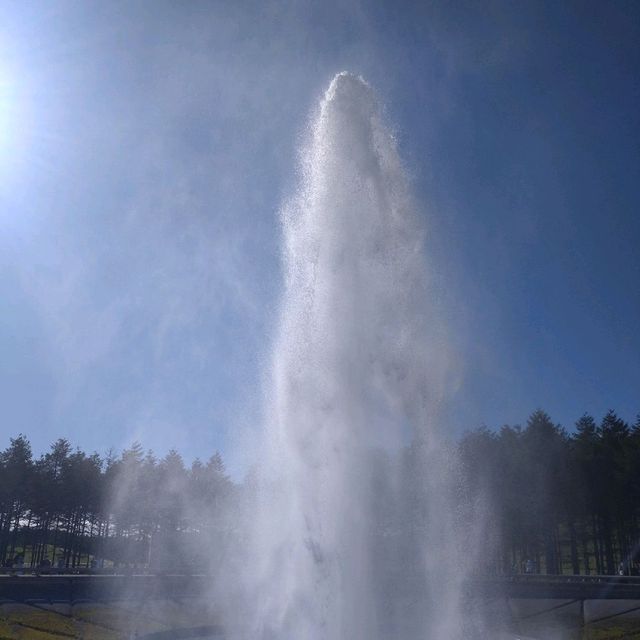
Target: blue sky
(145,149)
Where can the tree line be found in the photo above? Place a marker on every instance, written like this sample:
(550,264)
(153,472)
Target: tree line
(69,509)
(556,502)
(561,502)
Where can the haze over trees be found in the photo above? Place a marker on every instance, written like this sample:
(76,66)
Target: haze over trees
(568,502)
(73,508)
(564,502)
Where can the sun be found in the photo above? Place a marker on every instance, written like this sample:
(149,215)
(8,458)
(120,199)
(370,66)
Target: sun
(13,120)
(5,111)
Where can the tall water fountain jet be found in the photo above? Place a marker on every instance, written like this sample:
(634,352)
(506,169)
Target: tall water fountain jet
(354,526)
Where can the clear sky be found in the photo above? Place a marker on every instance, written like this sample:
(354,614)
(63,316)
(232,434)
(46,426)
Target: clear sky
(145,148)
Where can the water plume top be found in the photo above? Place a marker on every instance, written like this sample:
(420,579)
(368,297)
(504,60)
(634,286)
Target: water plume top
(349,89)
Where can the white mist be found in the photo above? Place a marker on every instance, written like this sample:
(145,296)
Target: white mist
(353,533)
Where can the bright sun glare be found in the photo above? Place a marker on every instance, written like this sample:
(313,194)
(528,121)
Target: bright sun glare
(5,109)
(11,124)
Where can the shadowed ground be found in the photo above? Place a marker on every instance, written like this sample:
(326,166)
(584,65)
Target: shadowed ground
(159,620)
(173,607)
